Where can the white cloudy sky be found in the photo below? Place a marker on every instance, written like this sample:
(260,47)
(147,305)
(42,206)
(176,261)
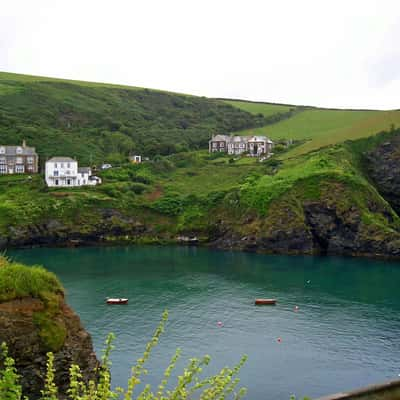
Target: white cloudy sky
(332,53)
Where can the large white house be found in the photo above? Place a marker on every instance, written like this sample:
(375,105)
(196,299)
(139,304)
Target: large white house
(254,146)
(64,171)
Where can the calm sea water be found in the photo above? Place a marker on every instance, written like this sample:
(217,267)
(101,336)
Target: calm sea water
(345,333)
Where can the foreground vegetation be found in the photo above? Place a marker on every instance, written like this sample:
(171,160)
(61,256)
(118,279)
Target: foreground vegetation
(188,385)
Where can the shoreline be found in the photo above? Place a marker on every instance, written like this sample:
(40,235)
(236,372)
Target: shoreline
(162,242)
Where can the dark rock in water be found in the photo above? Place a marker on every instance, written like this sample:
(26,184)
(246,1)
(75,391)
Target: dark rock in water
(22,334)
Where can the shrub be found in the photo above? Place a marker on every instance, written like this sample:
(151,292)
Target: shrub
(18,281)
(189,385)
(138,188)
(171,204)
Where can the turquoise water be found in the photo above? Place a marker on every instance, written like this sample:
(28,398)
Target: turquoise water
(345,333)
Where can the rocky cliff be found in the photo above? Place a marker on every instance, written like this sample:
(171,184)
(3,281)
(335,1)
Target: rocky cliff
(383,164)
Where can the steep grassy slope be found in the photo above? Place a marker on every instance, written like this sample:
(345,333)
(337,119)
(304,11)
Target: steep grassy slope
(94,122)
(322,127)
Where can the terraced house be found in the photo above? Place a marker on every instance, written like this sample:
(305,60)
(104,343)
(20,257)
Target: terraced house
(18,159)
(254,146)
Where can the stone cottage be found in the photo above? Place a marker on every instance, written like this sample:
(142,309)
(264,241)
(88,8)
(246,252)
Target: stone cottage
(18,159)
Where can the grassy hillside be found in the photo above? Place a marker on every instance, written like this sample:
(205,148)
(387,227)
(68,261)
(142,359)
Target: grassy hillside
(322,127)
(266,109)
(195,193)
(98,122)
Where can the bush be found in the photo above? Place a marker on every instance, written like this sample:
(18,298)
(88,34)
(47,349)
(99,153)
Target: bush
(189,385)
(18,281)
(169,204)
(138,188)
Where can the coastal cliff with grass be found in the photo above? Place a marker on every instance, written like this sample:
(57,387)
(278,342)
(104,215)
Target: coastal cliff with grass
(331,187)
(35,320)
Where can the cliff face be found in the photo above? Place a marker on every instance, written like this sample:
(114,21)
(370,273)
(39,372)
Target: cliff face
(25,331)
(384,168)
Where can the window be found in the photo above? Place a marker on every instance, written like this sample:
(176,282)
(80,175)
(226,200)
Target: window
(68,181)
(79,181)
(19,150)
(30,160)
(2,160)
(2,150)
(55,165)
(84,182)
(67,172)
(55,173)
(19,160)
(214,144)
(19,169)
(68,165)
(222,144)
(56,182)
(3,169)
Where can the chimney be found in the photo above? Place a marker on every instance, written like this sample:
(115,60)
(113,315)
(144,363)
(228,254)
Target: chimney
(24,143)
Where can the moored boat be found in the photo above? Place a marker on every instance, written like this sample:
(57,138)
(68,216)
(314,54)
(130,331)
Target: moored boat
(270,302)
(116,301)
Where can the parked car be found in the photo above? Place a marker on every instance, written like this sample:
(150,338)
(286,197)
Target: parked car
(106,166)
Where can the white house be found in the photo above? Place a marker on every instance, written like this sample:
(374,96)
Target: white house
(135,159)
(64,171)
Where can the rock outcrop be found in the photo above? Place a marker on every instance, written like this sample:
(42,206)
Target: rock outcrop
(20,329)
(384,168)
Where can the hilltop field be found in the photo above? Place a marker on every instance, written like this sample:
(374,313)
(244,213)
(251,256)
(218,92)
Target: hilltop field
(316,196)
(318,127)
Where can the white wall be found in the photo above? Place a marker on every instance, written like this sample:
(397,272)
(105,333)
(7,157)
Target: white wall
(60,172)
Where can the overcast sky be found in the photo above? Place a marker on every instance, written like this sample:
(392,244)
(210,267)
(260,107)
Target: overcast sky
(332,53)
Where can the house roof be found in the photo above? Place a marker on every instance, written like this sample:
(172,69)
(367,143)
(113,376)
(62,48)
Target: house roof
(241,139)
(220,138)
(12,150)
(61,159)
(260,139)
(84,170)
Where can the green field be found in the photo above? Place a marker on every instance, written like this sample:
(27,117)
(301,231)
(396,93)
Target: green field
(323,127)
(266,109)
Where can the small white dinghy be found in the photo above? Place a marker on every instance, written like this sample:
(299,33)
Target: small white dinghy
(116,301)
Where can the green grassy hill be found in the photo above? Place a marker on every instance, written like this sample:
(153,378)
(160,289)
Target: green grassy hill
(97,122)
(266,109)
(320,127)
(314,197)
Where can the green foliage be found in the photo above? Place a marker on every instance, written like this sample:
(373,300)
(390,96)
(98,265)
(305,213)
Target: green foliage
(189,384)
(18,281)
(50,391)
(171,204)
(10,389)
(51,331)
(98,122)
(138,188)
